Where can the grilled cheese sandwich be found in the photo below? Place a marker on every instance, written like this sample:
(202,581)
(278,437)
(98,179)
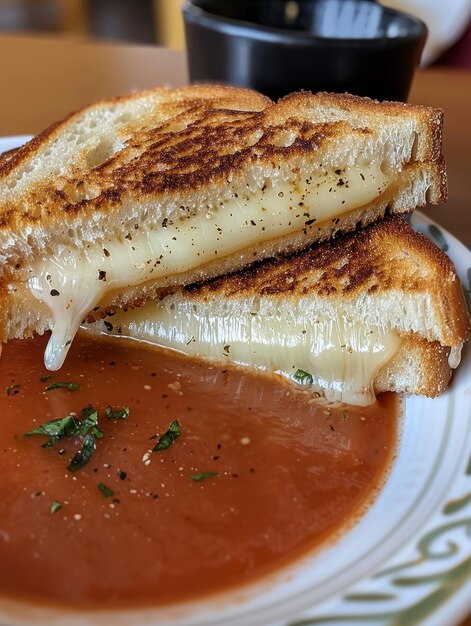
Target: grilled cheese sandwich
(163,188)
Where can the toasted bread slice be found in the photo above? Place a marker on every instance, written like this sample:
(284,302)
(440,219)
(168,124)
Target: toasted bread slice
(166,187)
(377,310)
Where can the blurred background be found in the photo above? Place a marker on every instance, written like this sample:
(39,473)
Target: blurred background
(137,21)
(159,22)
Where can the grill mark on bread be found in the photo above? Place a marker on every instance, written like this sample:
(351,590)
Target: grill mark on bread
(321,268)
(187,163)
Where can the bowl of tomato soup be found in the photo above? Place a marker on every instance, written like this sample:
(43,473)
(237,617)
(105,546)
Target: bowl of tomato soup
(137,480)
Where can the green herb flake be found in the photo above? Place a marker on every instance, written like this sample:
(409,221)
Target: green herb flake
(12,390)
(86,428)
(199,476)
(55,429)
(44,379)
(117,414)
(107,492)
(303,378)
(55,506)
(169,437)
(62,385)
(89,423)
(84,455)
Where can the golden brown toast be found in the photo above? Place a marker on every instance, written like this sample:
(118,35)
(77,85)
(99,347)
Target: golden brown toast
(386,297)
(137,194)
(369,272)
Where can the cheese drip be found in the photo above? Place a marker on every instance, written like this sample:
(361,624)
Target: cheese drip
(74,281)
(343,357)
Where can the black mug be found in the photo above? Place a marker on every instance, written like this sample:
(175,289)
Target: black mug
(280,46)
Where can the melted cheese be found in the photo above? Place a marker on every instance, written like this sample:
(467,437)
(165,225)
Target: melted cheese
(74,281)
(343,357)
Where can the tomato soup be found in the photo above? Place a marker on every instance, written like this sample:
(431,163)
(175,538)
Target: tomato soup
(188,480)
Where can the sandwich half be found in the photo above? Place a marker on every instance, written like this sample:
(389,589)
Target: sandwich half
(377,310)
(135,195)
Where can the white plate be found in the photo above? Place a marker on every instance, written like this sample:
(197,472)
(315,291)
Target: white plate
(407,561)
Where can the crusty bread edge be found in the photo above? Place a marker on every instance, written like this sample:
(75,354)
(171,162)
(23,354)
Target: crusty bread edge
(419,367)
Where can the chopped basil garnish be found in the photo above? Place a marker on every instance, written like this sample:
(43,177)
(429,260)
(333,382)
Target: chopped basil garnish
(84,455)
(55,506)
(303,378)
(117,414)
(69,426)
(203,475)
(106,491)
(89,429)
(56,429)
(89,423)
(44,379)
(12,390)
(59,385)
(169,437)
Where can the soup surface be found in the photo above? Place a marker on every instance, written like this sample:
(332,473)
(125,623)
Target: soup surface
(247,474)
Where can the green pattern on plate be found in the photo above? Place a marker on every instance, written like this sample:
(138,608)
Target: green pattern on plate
(445,584)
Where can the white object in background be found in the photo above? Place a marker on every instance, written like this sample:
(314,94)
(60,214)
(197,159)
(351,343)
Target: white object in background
(446,20)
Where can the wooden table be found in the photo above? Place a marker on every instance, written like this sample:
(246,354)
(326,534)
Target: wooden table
(451,90)
(43,80)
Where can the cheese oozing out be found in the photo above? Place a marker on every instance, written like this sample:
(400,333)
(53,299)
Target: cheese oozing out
(73,281)
(343,357)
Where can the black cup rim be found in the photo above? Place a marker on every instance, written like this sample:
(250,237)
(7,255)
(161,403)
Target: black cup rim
(192,12)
